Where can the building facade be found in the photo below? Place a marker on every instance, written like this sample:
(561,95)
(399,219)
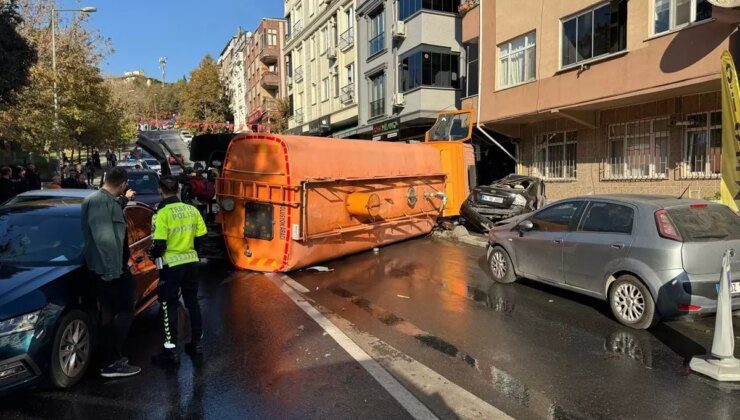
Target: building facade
(233,77)
(266,76)
(605,96)
(410,65)
(322,62)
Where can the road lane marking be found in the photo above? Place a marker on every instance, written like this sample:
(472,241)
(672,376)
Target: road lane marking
(294,284)
(404,397)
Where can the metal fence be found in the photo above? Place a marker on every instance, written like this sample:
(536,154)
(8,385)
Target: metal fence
(347,39)
(347,95)
(701,167)
(562,170)
(634,167)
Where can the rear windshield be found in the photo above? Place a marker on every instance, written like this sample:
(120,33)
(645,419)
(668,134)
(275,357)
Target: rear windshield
(143,183)
(710,223)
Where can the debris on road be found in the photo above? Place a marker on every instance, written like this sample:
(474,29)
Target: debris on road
(320,269)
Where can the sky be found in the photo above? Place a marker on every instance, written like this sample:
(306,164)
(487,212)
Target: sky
(182,30)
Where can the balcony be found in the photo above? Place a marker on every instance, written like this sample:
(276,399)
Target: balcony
(269,54)
(298,74)
(347,39)
(347,95)
(270,80)
(297,28)
(634,168)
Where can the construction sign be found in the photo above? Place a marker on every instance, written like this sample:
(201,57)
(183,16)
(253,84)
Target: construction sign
(730,188)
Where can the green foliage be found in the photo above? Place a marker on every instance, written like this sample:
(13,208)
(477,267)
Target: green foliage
(16,53)
(202,98)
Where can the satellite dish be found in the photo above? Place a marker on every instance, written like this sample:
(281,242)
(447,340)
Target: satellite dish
(726,3)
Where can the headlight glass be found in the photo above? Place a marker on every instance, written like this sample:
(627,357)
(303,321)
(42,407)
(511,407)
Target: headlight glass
(519,200)
(227,204)
(18,324)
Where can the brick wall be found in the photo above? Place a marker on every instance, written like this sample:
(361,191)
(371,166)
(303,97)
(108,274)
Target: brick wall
(593,149)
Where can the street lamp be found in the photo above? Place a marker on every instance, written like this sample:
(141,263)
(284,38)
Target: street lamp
(54,12)
(156,117)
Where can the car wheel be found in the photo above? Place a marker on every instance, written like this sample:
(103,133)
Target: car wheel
(632,304)
(500,265)
(72,349)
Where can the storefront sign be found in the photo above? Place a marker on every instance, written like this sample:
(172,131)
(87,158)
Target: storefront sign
(730,186)
(386,126)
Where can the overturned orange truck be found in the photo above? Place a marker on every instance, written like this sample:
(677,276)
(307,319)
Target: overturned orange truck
(288,202)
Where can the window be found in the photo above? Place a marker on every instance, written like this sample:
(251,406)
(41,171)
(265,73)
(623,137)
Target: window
(471,70)
(271,37)
(350,73)
(311,48)
(377,95)
(703,146)
(407,8)
(639,149)
(349,16)
(608,217)
(555,155)
(424,68)
(594,33)
(313,93)
(556,218)
(324,39)
(336,85)
(517,61)
(325,89)
(377,32)
(673,14)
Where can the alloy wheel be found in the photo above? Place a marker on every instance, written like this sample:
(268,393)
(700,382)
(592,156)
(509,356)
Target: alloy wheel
(74,348)
(498,264)
(629,302)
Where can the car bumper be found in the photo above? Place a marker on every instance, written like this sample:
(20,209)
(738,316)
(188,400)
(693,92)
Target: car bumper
(18,369)
(483,218)
(691,295)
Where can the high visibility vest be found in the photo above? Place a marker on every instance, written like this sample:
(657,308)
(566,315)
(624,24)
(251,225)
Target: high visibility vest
(179,224)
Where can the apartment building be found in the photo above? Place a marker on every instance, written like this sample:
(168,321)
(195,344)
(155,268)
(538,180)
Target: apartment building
(604,96)
(266,76)
(410,65)
(232,73)
(322,66)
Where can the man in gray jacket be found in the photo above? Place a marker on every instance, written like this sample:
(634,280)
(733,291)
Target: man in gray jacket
(106,255)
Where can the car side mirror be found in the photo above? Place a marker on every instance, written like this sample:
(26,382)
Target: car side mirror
(526,226)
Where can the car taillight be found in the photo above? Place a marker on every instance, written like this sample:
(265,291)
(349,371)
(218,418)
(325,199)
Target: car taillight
(688,308)
(666,228)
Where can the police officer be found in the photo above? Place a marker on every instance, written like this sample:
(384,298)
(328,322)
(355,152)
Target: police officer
(176,229)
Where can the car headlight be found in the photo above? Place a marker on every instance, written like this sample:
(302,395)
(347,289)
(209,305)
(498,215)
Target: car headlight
(520,201)
(227,204)
(18,324)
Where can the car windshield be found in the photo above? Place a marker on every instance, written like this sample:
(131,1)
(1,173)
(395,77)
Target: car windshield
(706,223)
(151,162)
(36,238)
(18,199)
(145,183)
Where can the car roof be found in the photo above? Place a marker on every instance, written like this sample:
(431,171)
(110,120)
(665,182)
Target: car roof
(652,200)
(58,193)
(140,171)
(46,207)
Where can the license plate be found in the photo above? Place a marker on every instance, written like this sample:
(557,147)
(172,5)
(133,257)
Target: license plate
(492,199)
(734,287)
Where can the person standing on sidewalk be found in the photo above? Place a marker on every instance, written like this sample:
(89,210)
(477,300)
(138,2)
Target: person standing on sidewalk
(107,255)
(176,227)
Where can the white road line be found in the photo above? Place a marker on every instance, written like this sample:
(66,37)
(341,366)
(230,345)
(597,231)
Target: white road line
(415,407)
(294,284)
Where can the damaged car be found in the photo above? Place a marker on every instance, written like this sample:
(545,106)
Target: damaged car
(508,197)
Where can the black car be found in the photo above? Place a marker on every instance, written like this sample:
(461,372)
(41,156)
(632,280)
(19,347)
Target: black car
(146,184)
(48,314)
(507,197)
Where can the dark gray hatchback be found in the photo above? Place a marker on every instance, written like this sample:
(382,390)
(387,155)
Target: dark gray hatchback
(648,256)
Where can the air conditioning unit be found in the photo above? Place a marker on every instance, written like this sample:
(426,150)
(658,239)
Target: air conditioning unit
(399,31)
(331,53)
(399,100)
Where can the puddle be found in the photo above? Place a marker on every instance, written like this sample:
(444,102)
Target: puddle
(491,300)
(445,347)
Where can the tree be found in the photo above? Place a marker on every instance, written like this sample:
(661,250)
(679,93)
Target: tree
(202,98)
(16,54)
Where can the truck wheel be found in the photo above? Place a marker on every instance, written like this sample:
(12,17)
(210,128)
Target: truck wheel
(632,304)
(72,350)
(500,264)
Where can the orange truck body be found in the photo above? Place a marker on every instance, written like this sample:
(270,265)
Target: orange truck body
(289,202)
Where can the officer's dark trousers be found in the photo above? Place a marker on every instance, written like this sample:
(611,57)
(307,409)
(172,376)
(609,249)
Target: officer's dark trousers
(172,279)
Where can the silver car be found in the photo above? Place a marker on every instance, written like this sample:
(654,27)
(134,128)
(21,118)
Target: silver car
(648,256)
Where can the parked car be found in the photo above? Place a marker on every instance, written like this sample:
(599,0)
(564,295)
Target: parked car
(48,313)
(153,164)
(648,256)
(146,184)
(61,196)
(186,136)
(133,164)
(510,196)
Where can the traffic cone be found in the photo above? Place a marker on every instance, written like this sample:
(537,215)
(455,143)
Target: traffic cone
(721,364)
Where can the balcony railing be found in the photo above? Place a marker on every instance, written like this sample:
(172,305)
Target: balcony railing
(638,167)
(298,116)
(298,74)
(377,43)
(701,167)
(377,108)
(347,39)
(297,28)
(561,170)
(347,94)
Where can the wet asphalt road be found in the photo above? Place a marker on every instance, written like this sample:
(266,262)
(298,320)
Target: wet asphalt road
(531,350)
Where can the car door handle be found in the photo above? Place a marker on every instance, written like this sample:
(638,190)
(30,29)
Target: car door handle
(557,241)
(617,246)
